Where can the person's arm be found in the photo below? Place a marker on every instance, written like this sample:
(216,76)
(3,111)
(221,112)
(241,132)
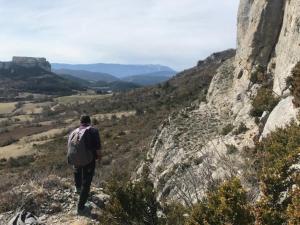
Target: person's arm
(97,144)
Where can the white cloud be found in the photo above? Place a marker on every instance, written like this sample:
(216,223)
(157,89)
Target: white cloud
(175,33)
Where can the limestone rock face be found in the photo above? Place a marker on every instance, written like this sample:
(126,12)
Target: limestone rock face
(191,150)
(259,23)
(190,154)
(29,62)
(287,51)
(268,36)
(5,65)
(26,62)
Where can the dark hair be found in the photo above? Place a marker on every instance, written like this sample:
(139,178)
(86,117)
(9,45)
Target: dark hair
(85,119)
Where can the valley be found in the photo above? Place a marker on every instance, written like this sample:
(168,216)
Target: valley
(214,144)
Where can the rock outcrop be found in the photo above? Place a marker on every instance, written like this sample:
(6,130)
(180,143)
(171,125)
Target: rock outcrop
(268,36)
(281,116)
(28,74)
(26,62)
(53,200)
(191,153)
(197,147)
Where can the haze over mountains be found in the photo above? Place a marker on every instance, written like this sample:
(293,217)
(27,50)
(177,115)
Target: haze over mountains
(87,75)
(118,70)
(139,74)
(36,75)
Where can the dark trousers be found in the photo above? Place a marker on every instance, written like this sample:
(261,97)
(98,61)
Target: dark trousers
(83,179)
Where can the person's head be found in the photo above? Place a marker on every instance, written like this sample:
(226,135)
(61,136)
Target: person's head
(85,119)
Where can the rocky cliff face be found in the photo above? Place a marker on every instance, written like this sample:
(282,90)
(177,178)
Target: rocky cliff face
(197,147)
(269,44)
(26,62)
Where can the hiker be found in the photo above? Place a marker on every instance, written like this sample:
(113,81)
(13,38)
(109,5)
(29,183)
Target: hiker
(84,147)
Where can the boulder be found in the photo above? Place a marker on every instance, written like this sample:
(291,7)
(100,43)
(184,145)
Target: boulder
(281,116)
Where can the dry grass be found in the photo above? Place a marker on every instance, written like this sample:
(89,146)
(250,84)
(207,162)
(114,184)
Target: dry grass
(111,115)
(34,108)
(15,150)
(8,107)
(80,98)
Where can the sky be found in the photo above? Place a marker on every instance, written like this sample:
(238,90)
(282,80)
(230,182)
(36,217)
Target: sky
(176,33)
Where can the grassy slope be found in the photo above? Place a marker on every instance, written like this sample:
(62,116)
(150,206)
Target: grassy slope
(125,140)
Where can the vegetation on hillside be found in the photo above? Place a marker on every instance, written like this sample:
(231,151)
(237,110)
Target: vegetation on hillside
(263,101)
(36,80)
(276,162)
(294,82)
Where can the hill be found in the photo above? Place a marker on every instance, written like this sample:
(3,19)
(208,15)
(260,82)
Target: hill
(216,144)
(87,75)
(150,78)
(118,70)
(27,74)
(102,86)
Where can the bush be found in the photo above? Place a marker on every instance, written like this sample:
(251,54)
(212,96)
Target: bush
(274,157)
(131,203)
(175,214)
(20,161)
(139,112)
(241,129)
(227,129)
(9,201)
(95,121)
(258,76)
(231,149)
(227,205)
(294,82)
(293,211)
(264,101)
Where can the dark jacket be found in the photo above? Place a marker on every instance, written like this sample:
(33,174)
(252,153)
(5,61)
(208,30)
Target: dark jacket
(92,140)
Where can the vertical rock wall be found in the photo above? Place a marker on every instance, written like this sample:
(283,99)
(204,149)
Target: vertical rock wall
(189,152)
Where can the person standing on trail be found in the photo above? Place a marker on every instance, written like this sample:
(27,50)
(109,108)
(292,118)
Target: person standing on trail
(84,147)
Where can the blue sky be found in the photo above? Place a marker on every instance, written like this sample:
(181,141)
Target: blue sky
(169,32)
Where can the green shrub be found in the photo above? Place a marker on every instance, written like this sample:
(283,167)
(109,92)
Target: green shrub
(9,201)
(131,203)
(20,161)
(95,121)
(294,82)
(227,205)
(264,101)
(231,149)
(227,129)
(175,214)
(139,111)
(241,129)
(274,157)
(258,75)
(293,211)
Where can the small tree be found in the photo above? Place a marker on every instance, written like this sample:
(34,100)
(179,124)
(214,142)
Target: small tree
(227,205)
(132,203)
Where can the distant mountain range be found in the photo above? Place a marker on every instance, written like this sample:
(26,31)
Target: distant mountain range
(142,75)
(117,70)
(150,78)
(29,74)
(86,75)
